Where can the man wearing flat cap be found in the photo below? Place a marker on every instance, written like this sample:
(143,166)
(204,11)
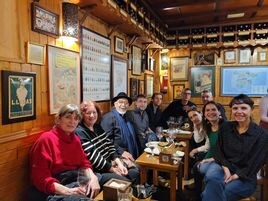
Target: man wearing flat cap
(119,129)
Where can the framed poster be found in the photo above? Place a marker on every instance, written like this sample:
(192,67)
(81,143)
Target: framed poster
(96,66)
(149,85)
(119,75)
(177,90)
(134,87)
(36,53)
(44,21)
(250,80)
(244,56)
(178,68)
(136,60)
(118,45)
(262,56)
(204,57)
(64,78)
(202,78)
(18,96)
(141,87)
(229,56)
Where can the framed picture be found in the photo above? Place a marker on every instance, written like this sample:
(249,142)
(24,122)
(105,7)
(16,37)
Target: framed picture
(141,87)
(96,66)
(202,78)
(118,45)
(178,68)
(164,61)
(44,21)
(244,56)
(136,60)
(204,57)
(229,56)
(119,75)
(18,96)
(64,78)
(250,80)
(177,90)
(134,87)
(262,56)
(36,53)
(149,85)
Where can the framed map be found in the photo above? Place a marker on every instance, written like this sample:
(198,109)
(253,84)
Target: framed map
(64,78)
(250,80)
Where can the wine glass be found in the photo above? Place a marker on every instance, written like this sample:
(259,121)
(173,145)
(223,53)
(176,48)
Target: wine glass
(171,134)
(159,132)
(151,145)
(83,178)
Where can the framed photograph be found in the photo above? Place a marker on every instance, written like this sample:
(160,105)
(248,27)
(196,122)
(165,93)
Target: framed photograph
(229,56)
(36,53)
(44,21)
(262,56)
(119,76)
(96,66)
(202,78)
(118,45)
(141,87)
(136,60)
(204,57)
(18,96)
(177,90)
(244,56)
(179,68)
(164,61)
(250,80)
(134,87)
(149,85)
(64,78)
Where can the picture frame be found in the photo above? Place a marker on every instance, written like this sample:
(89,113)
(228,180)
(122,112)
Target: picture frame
(177,90)
(64,77)
(18,96)
(96,72)
(118,45)
(44,21)
(141,87)
(36,53)
(202,78)
(136,60)
(134,87)
(250,80)
(119,75)
(179,68)
(149,85)
(262,56)
(244,56)
(204,57)
(229,56)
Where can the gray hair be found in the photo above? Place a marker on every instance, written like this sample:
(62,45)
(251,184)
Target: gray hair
(68,109)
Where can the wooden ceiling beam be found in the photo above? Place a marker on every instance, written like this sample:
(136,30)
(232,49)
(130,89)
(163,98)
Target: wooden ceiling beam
(174,18)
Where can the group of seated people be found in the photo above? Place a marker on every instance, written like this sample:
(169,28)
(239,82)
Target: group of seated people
(227,154)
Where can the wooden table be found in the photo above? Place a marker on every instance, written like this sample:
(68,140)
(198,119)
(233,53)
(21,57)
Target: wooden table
(153,163)
(186,138)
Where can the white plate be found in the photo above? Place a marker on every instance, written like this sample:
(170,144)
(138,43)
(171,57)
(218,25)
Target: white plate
(148,150)
(184,132)
(179,153)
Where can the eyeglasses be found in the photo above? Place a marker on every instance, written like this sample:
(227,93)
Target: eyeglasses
(121,102)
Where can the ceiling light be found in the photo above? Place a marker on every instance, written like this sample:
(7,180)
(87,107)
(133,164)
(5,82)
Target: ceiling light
(235,15)
(169,8)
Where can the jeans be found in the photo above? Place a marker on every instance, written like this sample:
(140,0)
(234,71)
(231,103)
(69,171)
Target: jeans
(216,189)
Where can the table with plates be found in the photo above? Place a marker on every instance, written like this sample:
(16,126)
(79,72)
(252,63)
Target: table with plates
(145,162)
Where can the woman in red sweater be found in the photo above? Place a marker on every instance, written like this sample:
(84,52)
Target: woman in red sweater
(55,158)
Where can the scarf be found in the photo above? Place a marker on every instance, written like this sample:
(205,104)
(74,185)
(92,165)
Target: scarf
(127,134)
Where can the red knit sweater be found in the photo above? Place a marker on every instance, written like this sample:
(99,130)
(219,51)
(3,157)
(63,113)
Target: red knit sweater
(55,152)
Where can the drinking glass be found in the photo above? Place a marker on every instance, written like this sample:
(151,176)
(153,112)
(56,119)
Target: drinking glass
(83,178)
(171,134)
(151,145)
(159,132)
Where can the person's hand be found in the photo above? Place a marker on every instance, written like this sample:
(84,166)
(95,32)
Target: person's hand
(193,152)
(122,169)
(207,160)
(76,191)
(231,178)
(93,186)
(227,175)
(127,155)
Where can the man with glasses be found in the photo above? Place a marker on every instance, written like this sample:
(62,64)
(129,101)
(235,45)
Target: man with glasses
(119,129)
(178,108)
